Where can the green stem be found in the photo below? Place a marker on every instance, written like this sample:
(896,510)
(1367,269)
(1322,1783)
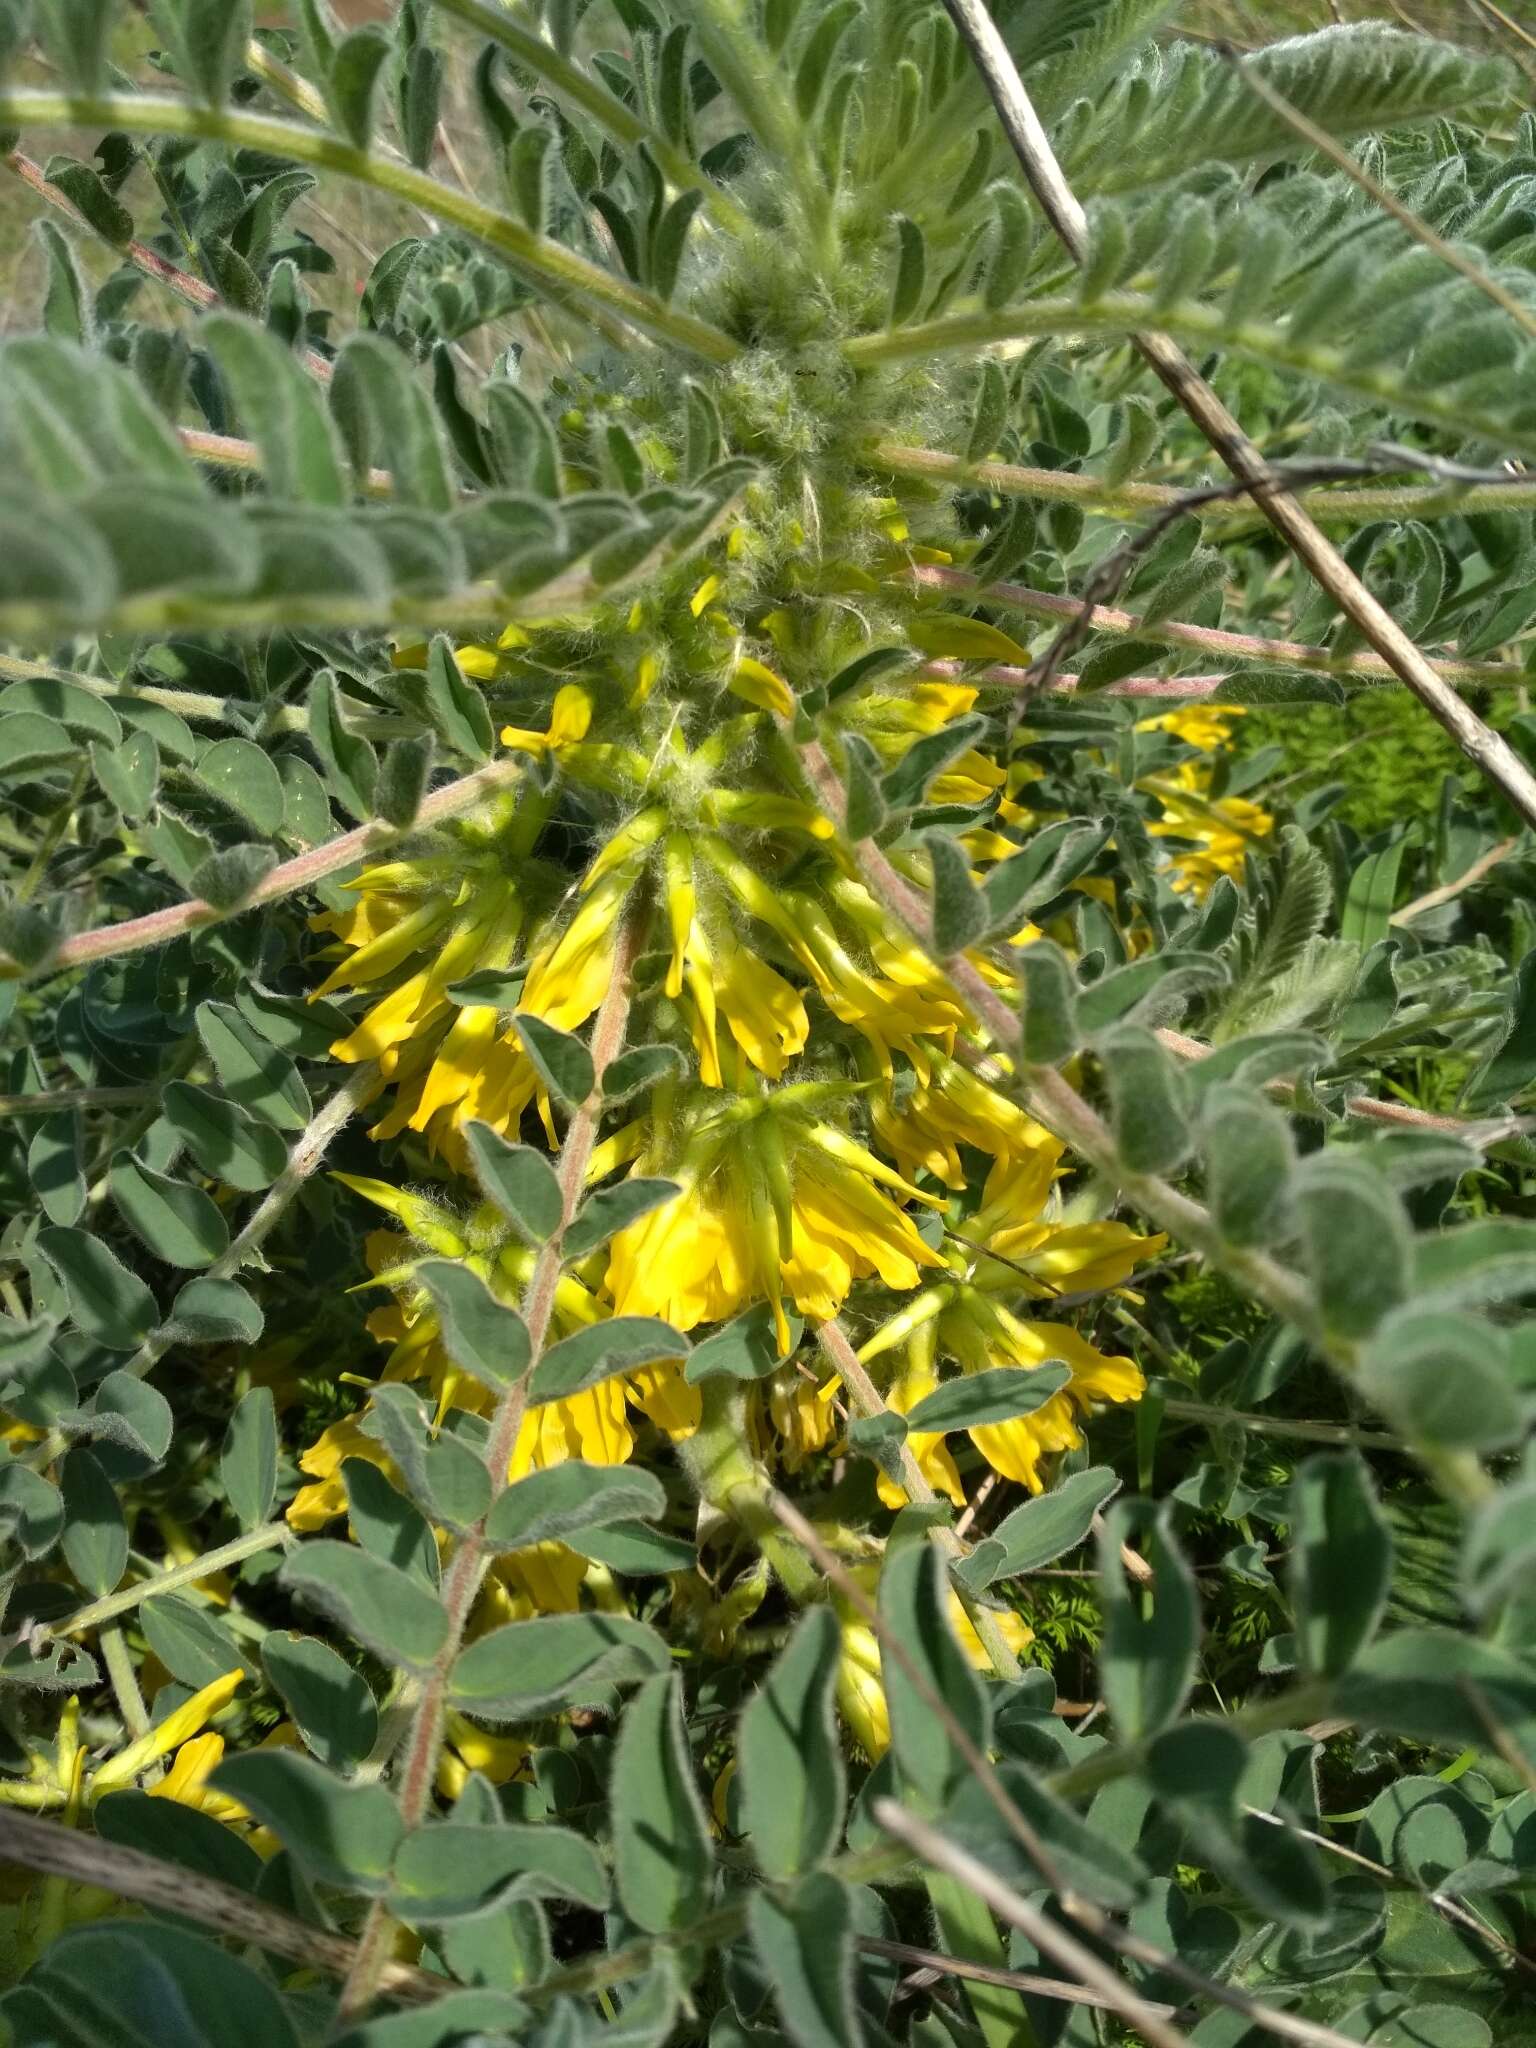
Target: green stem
(546,262)
(52,1100)
(1131,500)
(125,1680)
(267,1537)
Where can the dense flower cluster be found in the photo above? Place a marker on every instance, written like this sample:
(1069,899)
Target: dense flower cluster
(833,1146)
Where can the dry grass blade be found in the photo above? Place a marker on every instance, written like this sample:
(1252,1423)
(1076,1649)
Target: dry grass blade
(1489,750)
(83,1859)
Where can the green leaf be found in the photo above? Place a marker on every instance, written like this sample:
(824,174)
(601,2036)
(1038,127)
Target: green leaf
(562,1062)
(613,1209)
(443,1475)
(914,1609)
(177,1834)
(31,1510)
(639,1069)
(488,988)
(1444,1379)
(82,186)
(352,86)
(804,1947)
(346,759)
(214,1312)
(252,1072)
(961,639)
(1162,980)
(129,775)
(1341,1561)
(596,1353)
(456,707)
(635,1550)
(1356,1240)
(117,1972)
(342,1834)
(331,1705)
(109,1304)
(241,775)
(1049,1002)
(54,1168)
(1511,1066)
(248,1460)
(911,270)
(1475,1264)
(1249,1159)
(305,1028)
(999,1394)
(746,1348)
(480,1334)
(1367,912)
(866,811)
(176,1222)
(1149,1102)
(134,1416)
(521,1182)
(209,39)
(1151,1641)
(386,1523)
(1040,1531)
(229,877)
(404,774)
(281,408)
(1082,1856)
(793,1780)
(957,909)
(1054,858)
(905,785)
(95,1534)
(475,2015)
(387,1610)
(193,1646)
(453,1870)
(558,1501)
(226,1143)
(1499,1547)
(384,411)
(531,1668)
(663,1865)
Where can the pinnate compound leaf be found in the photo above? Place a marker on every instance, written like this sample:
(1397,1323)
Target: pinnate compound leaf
(388,1610)
(342,1834)
(663,1864)
(480,1334)
(793,1779)
(1341,1561)
(530,1668)
(557,1501)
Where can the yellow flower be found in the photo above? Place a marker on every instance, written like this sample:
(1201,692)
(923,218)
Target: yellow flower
(569,720)
(773,1203)
(948,1107)
(1206,726)
(1223,830)
(860,1690)
(1013,1246)
(177,1728)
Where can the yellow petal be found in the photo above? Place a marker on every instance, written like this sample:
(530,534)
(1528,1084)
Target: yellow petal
(178,1727)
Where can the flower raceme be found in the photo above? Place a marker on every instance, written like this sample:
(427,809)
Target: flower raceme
(819,1116)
